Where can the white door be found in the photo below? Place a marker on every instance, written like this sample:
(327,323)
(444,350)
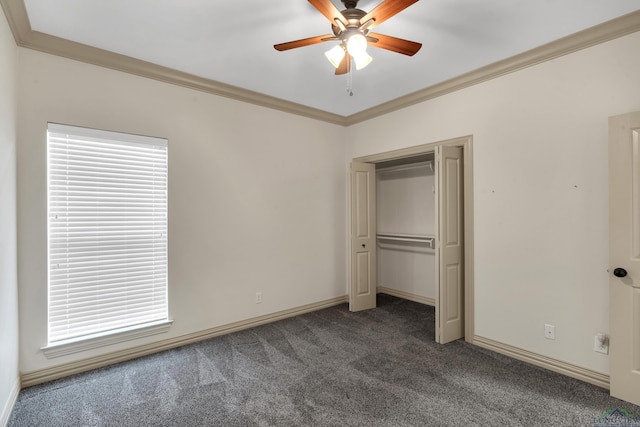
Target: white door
(624,256)
(450,287)
(363,237)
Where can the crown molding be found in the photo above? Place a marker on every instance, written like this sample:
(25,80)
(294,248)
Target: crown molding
(615,28)
(18,20)
(17,17)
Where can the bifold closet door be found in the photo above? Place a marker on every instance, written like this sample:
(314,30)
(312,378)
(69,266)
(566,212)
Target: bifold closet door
(363,237)
(450,289)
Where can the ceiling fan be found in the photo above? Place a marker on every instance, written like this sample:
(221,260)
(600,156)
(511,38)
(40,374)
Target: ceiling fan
(351,28)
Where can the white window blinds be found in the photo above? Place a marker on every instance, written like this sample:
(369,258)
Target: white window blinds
(107,195)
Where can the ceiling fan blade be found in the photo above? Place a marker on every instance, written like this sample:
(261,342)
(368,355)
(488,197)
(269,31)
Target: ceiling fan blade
(345,65)
(405,47)
(304,42)
(329,11)
(385,10)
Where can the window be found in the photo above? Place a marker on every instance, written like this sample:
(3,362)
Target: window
(107,232)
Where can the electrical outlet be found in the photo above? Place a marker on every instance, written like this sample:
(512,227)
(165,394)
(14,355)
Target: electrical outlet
(601,343)
(258,297)
(550,332)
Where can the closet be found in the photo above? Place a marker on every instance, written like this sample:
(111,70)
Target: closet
(409,234)
(406,228)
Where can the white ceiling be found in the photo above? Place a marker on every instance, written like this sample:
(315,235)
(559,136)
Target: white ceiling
(232,41)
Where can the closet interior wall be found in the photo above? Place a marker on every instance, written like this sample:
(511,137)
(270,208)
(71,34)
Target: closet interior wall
(406,228)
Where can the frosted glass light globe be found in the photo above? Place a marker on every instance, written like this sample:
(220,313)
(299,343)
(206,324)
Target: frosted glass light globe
(356,45)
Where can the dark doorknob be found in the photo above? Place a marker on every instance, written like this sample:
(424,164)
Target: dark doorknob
(620,272)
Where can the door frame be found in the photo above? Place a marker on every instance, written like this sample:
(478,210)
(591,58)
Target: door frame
(466,142)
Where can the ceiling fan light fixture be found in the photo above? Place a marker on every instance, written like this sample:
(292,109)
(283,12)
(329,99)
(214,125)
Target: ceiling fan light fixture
(362,60)
(356,44)
(335,55)
(351,28)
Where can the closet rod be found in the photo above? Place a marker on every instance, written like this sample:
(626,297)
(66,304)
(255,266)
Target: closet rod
(408,238)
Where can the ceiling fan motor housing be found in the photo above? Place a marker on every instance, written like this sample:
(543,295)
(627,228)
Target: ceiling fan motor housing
(353,16)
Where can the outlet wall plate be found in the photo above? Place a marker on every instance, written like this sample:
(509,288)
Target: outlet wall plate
(601,343)
(549,332)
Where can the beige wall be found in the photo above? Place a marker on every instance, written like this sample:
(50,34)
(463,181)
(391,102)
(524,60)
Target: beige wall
(405,204)
(540,173)
(8,277)
(256,196)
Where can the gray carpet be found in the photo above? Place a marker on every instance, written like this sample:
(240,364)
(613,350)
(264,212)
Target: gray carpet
(328,368)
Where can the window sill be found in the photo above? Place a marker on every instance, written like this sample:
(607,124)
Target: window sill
(76,345)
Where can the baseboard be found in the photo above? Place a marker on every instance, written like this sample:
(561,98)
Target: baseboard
(53,373)
(9,404)
(406,295)
(573,371)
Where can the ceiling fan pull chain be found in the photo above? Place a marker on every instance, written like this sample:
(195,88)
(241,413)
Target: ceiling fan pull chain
(350,82)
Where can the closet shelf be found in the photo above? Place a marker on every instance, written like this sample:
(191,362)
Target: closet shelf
(418,238)
(410,166)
